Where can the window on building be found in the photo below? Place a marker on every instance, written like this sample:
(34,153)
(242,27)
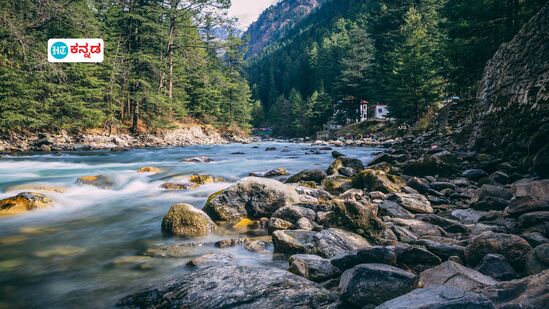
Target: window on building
(380,111)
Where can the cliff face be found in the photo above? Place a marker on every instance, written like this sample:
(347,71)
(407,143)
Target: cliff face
(512,114)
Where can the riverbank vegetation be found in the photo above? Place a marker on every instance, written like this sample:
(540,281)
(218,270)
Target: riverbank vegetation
(162,65)
(408,54)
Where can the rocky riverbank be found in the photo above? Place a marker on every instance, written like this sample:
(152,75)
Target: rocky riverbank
(424,223)
(94,140)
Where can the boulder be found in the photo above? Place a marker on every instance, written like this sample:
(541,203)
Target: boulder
(419,184)
(537,260)
(346,171)
(529,292)
(491,197)
(374,180)
(179,186)
(342,162)
(186,220)
(352,194)
(276,224)
(535,239)
(375,284)
(442,250)
(336,154)
(529,196)
(312,267)
(293,241)
(211,259)
(308,175)
(234,286)
(514,248)
(23,202)
(418,228)
(438,297)
(449,225)
(535,219)
(426,166)
(336,184)
(375,254)
(293,213)
(99,181)
(276,172)
(205,179)
(416,203)
(394,210)
(331,242)
(497,267)
(474,174)
(360,216)
(453,274)
(251,197)
(416,258)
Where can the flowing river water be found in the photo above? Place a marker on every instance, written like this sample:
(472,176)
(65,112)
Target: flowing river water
(96,245)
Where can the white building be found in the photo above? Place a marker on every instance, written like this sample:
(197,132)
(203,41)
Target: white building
(378,111)
(381,111)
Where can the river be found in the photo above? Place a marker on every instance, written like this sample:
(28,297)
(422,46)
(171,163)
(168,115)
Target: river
(94,246)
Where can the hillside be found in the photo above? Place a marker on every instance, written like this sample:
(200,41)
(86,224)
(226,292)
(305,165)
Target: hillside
(275,21)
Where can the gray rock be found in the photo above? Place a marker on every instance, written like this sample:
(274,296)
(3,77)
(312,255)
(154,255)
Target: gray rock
(251,197)
(529,196)
(342,162)
(450,226)
(497,267)
(234,286)
(419,184)
(418,227)
(534,218)
(535,239)
(415,203)
(474,174)
(352,194)
(438,297)
(347,171)
(375,284)
(514,248)
(416,258)
(294,213)
(530,292)
(441,185)
(331,242)
(185,220)
(360,216)
(292,242)
(442,250)
(375,254)
(490,197)
(394,210)
(453,274)
(312,267)
(211,259)
(276,224)
(538,260)
(308,175)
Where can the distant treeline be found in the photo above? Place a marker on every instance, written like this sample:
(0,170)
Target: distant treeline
(409,54)
(161,65)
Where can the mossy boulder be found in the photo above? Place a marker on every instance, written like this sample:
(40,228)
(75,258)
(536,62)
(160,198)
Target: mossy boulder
(149,169)
(376,180)
(205,179)
(186,220)
(23,202)
(315,176)
(336,184)
(343,162)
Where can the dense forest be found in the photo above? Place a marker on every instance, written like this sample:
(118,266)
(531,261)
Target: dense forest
(162,65)
(410,54)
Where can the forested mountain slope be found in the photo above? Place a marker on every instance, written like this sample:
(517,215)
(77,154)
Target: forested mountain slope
(276,20)
(158,69)
(408,54)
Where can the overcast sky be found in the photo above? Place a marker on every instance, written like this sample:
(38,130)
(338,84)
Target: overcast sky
(247,11)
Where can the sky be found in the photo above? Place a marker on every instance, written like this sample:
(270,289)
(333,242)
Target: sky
(247,11)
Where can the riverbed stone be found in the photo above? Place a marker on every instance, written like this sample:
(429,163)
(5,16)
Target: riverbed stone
(331,242)
(394,210)
(205,179)
(293,241)
(343,162)
(24,202)
(497,267)
(312,267)
(186,220)
(198,159)
(416,258)
(415,203)
(308,175)
(449,225)
(360,216)
(149,169)
(537,260)
(336,184)
(529,292)
(251,197)
(419,184)
(234,286)
(442,250)
(513,247)
(276,224)
(453,274)
(529,196)
(178,186)
(212,259)
(293,213)
(374,254)
(99,181)
(375,180)
(438,297)
(375,284)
